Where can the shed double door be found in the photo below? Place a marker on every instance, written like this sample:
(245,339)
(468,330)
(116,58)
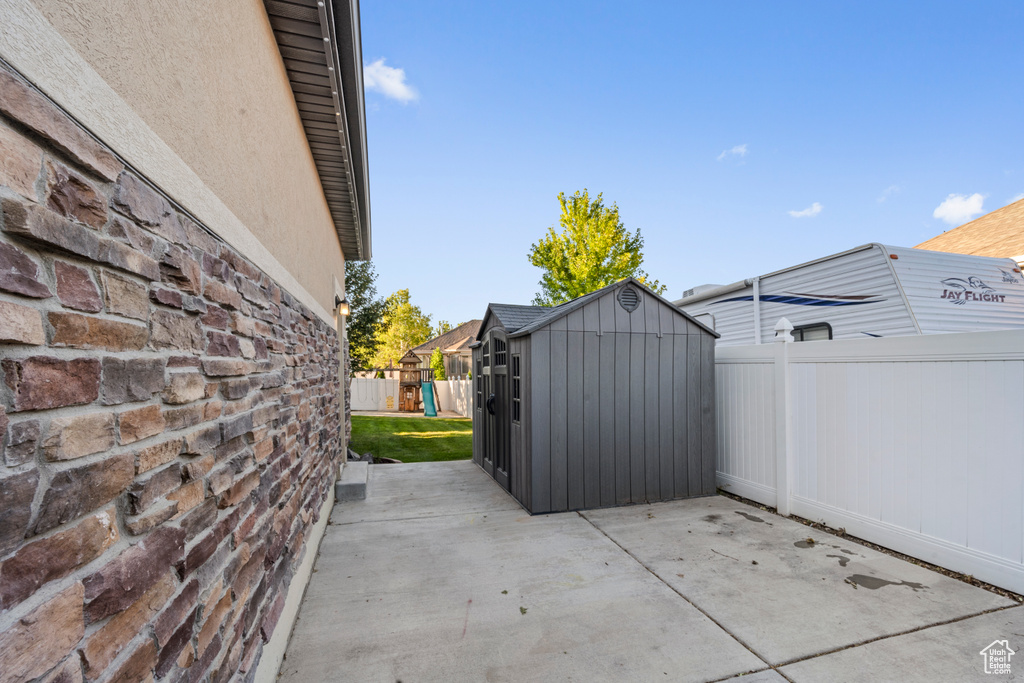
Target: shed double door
(496,416)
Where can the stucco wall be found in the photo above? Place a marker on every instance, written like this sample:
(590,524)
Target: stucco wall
(207,79)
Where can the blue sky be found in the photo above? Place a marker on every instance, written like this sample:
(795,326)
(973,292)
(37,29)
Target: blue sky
(709,124)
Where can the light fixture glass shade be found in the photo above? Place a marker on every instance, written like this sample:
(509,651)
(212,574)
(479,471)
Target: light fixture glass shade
(341,305)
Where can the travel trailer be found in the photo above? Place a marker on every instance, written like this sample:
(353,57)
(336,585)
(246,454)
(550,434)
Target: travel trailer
(871,291)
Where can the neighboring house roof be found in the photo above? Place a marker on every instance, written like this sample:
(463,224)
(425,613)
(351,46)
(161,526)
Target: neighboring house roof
(322,52)
(1000,233)
(452,340)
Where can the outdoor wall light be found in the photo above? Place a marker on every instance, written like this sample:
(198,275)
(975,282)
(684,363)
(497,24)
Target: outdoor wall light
(341,305)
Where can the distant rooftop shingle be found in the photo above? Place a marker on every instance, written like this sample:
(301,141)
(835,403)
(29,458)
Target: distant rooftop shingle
(1000,233)
(455,338)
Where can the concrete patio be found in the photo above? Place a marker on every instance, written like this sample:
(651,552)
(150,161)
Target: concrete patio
(439,575)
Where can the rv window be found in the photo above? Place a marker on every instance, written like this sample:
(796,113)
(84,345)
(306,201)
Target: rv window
(815,332)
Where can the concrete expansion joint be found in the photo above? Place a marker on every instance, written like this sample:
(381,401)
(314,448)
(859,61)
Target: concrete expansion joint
(768,665)
(898,634)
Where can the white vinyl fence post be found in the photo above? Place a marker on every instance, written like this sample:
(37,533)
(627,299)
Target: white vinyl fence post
(783,417)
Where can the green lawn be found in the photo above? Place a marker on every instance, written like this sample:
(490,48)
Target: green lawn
(413,439)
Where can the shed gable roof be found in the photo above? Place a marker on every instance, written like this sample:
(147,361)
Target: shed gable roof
(522,320)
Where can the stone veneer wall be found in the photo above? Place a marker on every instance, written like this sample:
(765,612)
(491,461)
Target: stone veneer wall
(169,416)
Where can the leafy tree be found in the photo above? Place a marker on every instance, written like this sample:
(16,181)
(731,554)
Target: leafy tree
(437,363)
(593,250)
(402,327)
(443,326)
(366,312)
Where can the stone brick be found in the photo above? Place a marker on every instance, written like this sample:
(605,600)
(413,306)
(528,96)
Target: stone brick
(227,368)
(146,206)
(75,491)
(55,557)
(236,427)
(75,288)
(237,492)
(173,331)
(152,518)
(20,161)
(222,294)
(188,496)
(160,454)
(271,618)
(175,614)
(203,440)
(184,387)
(183,418)
(104,645)
(72,196)
(41,639)
(212,410)
(139,665)
(124,296)
(20,324)
(124,257)
(126,231)
(21,443)
(194,304)
(260,347)
(141,423)
(238,263)
(32,221)
(247,348)
(20,102)
(214,619)
(16,494)
(201,517)
(216,317)
(135,379)
(242,324)
(220,344)
(84,332)
(127,577)
(215,267)
(20,274)
(69,671)
(175,644)
(43,382)
(198,468)
(235,388)
(79,435)
(167,297)
(181,270)
(144,492)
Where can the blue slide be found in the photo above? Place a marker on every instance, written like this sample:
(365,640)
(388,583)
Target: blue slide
(428,399)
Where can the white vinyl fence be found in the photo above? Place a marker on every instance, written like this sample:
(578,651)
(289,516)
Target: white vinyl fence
(914,443)
(382,394)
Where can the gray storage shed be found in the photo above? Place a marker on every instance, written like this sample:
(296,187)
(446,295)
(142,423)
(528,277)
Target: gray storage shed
(605,400)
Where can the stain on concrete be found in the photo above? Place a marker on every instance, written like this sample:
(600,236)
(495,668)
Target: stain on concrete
(711,518)
(874,583)
(843,561)
(752,518)
(806,543)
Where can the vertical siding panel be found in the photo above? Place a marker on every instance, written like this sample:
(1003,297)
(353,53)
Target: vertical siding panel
(652,432)
(527,416)
(708,428)
(607,398)
(979,462)
(540,415)
(1012,374)
(954,460)
(913,478)
(559,419)
(621,396)
(652,314)
(667,478)
(608,315)
(679,415)
(930,437)
(575,464)
(591,416)
(574,320)
(637,391)
(693,441)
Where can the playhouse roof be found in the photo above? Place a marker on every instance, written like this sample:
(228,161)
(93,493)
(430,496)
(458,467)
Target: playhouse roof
(522,320)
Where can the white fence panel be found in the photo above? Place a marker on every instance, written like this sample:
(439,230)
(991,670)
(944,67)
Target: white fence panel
(374,394)
(455,395)
(915,443)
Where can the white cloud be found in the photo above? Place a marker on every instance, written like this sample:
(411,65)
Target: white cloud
(388,81)
(737,151)
(1017,198)
(889,192)
(959,208)
(812,210)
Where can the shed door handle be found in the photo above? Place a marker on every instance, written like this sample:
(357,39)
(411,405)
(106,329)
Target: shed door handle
(490,404)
